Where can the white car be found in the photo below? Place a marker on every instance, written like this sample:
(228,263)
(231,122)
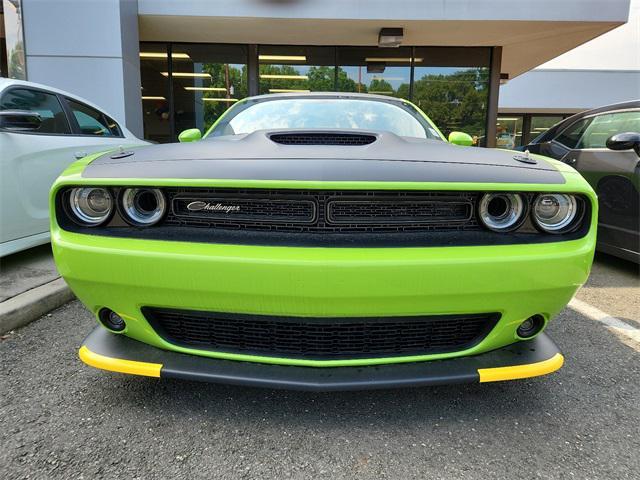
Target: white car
(42,131)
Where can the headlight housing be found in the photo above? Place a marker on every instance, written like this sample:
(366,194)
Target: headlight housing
(502,212)
(143,206)
(555,212)
(90,206)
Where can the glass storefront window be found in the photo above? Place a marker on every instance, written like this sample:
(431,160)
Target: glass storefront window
(155,92)
(451,85)
(509,131)
(12,13)
(4,69)
(381,71)
(192,85)
(540,123)
(206,81)
(286,69)
(520,129)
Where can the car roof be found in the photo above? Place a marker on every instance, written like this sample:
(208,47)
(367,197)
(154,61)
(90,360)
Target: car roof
(612,107)
(348,95)
(551,133)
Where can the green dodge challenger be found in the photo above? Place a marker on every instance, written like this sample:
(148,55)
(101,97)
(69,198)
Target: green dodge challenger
(323,242)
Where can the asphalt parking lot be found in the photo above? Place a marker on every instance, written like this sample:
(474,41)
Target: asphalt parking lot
(62,419)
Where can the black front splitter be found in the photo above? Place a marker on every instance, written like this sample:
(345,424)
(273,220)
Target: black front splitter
(108,351)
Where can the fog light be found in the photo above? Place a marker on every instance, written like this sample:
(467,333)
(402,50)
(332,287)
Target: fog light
(111,320)
(531,327)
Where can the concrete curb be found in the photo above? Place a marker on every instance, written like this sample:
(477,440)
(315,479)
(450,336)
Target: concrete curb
(32,304)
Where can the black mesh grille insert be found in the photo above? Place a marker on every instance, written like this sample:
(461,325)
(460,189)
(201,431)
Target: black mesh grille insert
(320,338)
(322,211)
(322,139)
(396,211)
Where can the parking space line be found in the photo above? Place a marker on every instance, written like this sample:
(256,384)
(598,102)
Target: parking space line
(612,323)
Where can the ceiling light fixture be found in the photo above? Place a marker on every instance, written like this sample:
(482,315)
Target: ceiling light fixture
(393,59)
(179,56)
(282,58)
(284,77)
(207,89)
(213,99)
(187,74)
(376,67)
(149,97)
(390,37)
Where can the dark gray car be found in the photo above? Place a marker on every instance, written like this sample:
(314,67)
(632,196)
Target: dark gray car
(610,165)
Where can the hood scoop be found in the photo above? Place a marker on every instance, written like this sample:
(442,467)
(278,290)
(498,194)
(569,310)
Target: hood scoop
(323,138)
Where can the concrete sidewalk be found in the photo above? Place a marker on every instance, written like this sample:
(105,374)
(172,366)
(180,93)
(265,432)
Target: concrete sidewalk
(30,286)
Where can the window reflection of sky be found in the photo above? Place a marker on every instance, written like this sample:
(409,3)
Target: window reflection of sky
(321,113)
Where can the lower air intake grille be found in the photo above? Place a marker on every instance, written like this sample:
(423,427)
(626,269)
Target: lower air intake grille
(322,139)
(320,338)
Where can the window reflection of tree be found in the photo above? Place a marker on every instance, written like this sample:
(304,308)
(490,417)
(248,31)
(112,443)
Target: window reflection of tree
(457,101)
(233,78)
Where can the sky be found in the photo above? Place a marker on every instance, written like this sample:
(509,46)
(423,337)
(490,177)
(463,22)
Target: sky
(618,49)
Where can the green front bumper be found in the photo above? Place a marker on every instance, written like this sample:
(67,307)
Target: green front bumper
(517,281)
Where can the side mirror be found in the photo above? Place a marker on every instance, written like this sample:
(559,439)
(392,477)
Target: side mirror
(190,135)
(460,138)
(20,120)
(625,141)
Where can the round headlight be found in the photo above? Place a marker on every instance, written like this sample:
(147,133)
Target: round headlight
(554,212)
(91,205)
(501,212)
(143,206)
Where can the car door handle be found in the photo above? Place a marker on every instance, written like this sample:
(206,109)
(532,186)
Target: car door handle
(80,155)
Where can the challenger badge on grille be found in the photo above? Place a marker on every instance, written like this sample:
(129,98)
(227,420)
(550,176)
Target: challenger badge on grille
(198,206)
(244,208)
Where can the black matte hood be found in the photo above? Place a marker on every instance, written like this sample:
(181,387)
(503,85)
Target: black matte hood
(256,156)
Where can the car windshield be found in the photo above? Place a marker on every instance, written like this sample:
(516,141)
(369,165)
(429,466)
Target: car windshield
(319,113)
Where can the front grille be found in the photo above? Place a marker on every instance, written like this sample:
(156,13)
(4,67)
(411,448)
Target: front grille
(321,218)
(322,211)
(322,139)
(320,338)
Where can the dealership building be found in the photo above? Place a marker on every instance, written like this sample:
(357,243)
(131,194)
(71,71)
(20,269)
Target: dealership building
(161,66)
(600,72)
